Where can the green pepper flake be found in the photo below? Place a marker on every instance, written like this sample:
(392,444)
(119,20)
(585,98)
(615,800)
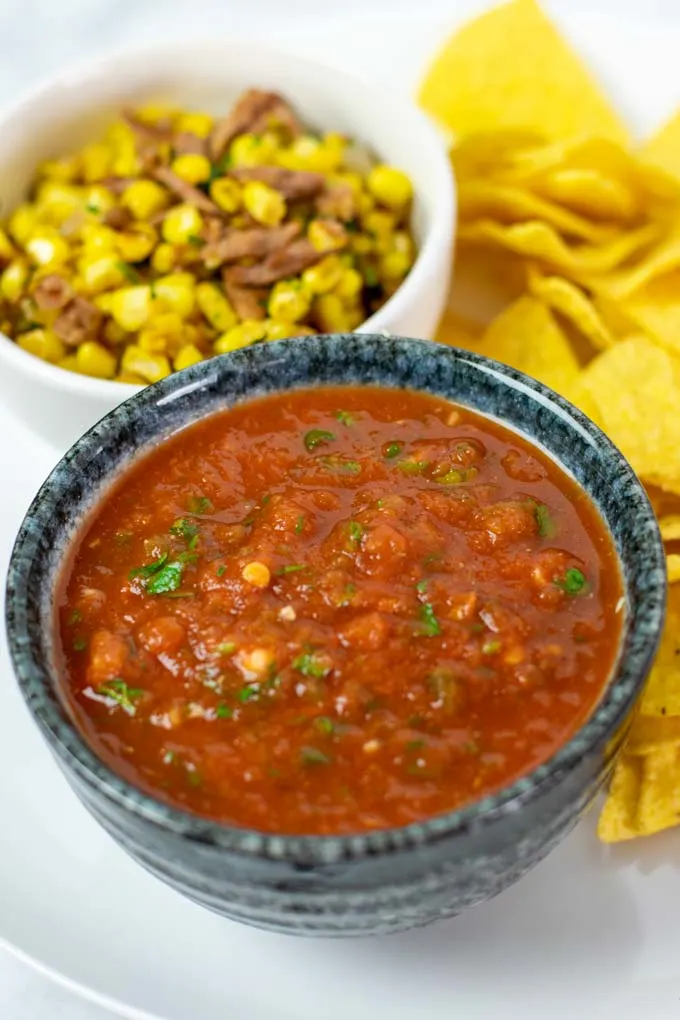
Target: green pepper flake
(415,745)
(452,477)
(168,579)
(93,208)
(200,505)
(291,568)
(432,558)
(413,467)
(345,418)
(391,450)
(221,570)
(380,503)
(152,290)
(317,437)
(196,240)
(149,569)
(227,648)
(183,528)
(429,624)
(194,778)
(128,272)
(79,644)
(573,583)
(224,711)
(300,524)
(118,691)
(249,693)
(310,665)
(75,617)
(313,756)
(546,525)
(422,585)
(355,531)
(168,757)
(325,725)
(123,537)
(370,276)
(491,647)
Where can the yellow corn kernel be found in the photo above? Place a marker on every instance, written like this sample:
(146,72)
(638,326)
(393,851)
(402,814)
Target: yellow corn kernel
(99,200)
(310,153)
(151,367)
(247,332)
(350,285)
(331,314)
(126,163)
(164,258)
(289,300)
(131,378)
(279,330)
(187,356)
(176,293)
(122,140)
(137,242)
(395,265)
(95,360)
(324,276)
(360,244)
(264,204)
(97,238)
(152,342)
(6,247)
(199,124)
(152,112)
(391,187)
(60,169)
(364,203)
(165,332)
(226,193)
(257,574)
(144,199)
(57,201)
(322,238)
(181,223)
(131,307)
(43,344)
(13,280)
(355,316)
(192,167)
(215,307)
(253,150)
(23,222)
(47,248)
(70,363)
(103,302)
(115,334)
(100,272)
(379,223)
(96,162)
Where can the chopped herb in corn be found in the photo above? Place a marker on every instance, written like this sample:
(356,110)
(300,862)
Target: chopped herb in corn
(158,245)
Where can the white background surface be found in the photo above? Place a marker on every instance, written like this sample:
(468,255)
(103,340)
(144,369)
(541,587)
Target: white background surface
(38,37)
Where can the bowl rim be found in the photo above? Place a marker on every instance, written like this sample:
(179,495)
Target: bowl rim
(419,126)
(598,729)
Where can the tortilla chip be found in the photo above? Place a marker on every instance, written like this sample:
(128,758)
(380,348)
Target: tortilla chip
(508,204)
(486,78)
(673,567)
(669,527)
(655,309)
(661,696)
(527,337)
(491,153)
(659,803)
(651,731)
(662,151)
(590,193)
(457,331)
(636,388)
(540,241)
(659,261)
(570,301)
(618,820)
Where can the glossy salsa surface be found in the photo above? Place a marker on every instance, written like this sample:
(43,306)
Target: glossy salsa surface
(337,609)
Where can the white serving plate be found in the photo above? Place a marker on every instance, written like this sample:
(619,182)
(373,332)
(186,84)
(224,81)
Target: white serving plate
(591,932)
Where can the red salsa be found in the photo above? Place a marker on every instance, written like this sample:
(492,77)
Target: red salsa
(337,609)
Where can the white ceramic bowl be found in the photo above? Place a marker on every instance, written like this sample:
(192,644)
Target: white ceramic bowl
(72,109)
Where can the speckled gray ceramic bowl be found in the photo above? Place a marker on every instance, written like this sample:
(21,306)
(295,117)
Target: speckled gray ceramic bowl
(380,881)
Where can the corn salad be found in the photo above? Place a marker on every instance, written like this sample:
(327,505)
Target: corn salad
(179,236)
